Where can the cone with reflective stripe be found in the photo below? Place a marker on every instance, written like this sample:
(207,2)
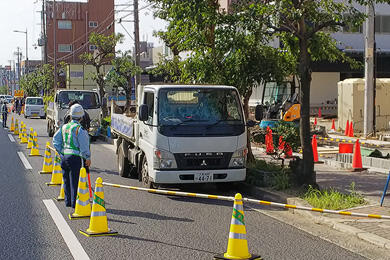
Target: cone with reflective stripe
(61,197)
(237,245)
(24,139)
(16,129)
(98,225)
(12,125)
(83,207)
(30,138)
(21,130)
(47,166)
(56,175)
(34,149)
(333,129)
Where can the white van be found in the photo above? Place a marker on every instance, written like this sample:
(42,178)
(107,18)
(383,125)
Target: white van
(34,107)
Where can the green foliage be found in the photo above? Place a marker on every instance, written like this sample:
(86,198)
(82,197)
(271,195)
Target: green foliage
(332,199)
(47,100)
(106,121)
(290,133)
(3,90)
(281,180)
(103,55)
(123,70)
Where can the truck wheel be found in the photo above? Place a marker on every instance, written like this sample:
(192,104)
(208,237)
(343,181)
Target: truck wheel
(123,163)
(50,131)
(145,174)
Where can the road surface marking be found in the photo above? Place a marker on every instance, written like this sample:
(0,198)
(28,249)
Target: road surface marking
(71,241)
(11,138)
(24,160)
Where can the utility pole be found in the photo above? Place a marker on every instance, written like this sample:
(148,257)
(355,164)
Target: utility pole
(18,54)
(369,38)
(55,45)
(137,49)
(44,32)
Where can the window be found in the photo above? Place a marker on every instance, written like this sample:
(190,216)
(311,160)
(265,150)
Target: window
(93,24)
(149,100)
(34,101)
(92,47)
(65,48)
(65,25)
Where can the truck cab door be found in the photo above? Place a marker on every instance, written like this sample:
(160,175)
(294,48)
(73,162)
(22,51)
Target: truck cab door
(146,128)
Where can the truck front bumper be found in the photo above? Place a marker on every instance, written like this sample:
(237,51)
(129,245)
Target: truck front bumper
(188,176)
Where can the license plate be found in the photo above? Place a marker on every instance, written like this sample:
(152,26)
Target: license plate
(203,177)
(34,115)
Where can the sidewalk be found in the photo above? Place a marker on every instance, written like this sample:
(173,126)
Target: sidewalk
(369,184)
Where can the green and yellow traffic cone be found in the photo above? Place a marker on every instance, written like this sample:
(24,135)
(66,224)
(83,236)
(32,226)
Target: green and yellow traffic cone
(83,207)
(61,197)
(21,130)
(237,244)
(98,225)
(47,166)
(24,139)
(30,138)
(16,129)
(34,149)
(56,176)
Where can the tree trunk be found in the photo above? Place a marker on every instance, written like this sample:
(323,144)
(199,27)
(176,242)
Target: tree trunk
(102,92)
(308,174)
(250,156)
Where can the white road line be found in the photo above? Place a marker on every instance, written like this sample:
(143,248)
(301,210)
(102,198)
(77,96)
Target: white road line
(24,160)
(71,241)
(11,138)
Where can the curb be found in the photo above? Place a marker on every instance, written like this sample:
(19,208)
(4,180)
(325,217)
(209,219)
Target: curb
(317,217)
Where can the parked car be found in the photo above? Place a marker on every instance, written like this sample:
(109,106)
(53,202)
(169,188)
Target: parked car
(34,107)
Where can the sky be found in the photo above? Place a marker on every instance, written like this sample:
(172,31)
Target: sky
(25,14)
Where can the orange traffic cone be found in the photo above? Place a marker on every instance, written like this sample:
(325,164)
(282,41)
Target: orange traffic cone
(357,164)
(346,128)
(315,121)
(98,225)
(315,151)
(83,207)
(12,125)
(319,113)
(269,143)
(237,245)
(350,133)
(333,128)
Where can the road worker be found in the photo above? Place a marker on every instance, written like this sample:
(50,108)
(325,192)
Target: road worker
(71,141)
(4,112)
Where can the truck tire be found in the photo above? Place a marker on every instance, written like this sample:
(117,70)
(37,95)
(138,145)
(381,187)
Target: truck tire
(123,163)
(145,174)
(50,130)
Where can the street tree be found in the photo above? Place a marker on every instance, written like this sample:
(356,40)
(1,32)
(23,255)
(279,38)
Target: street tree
(217,51)
(122,72)
(304,28)
(104,53)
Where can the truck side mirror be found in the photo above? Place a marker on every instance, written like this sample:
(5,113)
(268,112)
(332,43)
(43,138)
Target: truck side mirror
(143,114)
(259,110)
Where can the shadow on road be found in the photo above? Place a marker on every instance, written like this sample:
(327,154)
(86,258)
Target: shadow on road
(160,242)
(142,214)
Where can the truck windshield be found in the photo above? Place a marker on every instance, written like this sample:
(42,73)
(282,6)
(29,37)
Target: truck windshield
(34,101)
(88,100)
(210,109)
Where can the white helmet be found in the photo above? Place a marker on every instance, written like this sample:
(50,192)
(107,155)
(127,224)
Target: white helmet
(76,111)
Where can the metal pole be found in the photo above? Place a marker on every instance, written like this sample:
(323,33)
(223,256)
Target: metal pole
(27,63)
(369,71)
(44,31)
(137,49)
(55,45)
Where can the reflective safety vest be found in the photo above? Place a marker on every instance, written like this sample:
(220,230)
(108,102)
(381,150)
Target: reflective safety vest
(68,138)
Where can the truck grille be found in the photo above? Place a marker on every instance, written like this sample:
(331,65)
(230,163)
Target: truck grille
(201,161)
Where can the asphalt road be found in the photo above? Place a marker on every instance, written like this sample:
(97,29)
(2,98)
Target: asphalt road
(150,226)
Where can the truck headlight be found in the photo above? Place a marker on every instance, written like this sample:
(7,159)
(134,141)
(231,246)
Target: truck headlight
(164,160)
(238,159)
